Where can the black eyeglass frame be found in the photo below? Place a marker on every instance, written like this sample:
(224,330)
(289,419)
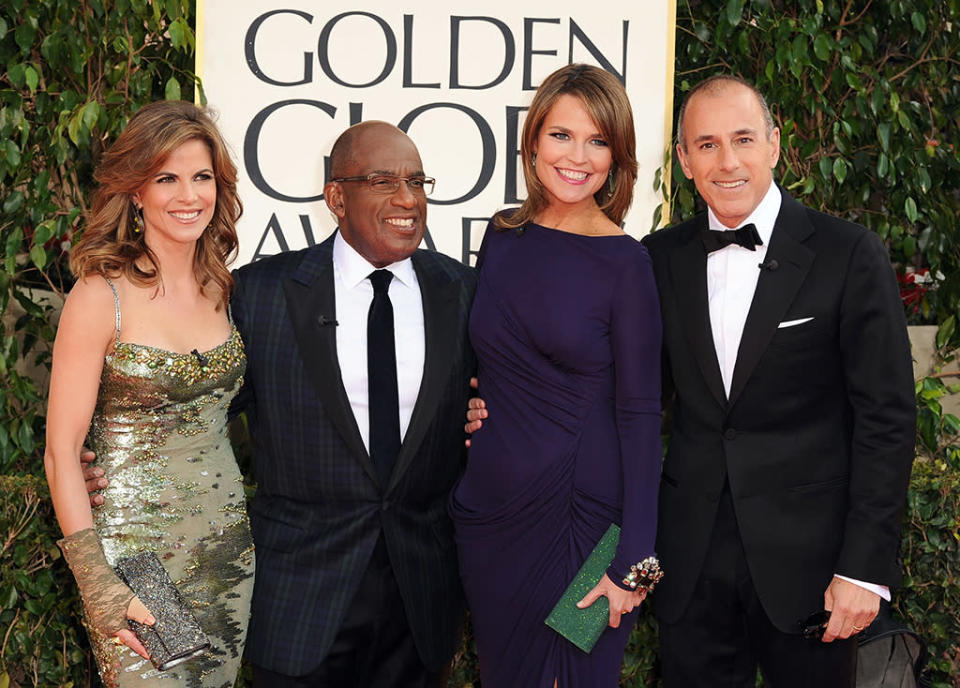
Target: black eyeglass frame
(427,183)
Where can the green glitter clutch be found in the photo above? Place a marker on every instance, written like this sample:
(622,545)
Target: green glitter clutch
(583,627)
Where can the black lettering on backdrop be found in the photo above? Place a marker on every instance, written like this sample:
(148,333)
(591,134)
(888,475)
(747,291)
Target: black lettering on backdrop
(274,227)
(323,49)
(251,141)
(408,55)
(577,32)
(529,52)
(509,51)
(486,137)
(466,233)
(511,151)
(249,49)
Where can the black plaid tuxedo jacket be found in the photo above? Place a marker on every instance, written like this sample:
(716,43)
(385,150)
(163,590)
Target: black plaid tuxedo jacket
(319,506)
(816,439)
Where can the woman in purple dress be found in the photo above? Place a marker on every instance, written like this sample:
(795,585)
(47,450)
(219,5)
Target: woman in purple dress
(566,326)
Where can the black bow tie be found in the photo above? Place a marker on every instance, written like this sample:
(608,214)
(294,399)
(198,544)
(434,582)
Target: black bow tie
(747,236)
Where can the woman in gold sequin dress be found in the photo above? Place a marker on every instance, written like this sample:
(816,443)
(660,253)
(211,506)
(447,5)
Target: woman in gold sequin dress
(147,359)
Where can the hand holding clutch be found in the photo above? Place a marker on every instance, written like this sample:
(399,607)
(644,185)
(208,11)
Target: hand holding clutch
(109,602)
(105,597)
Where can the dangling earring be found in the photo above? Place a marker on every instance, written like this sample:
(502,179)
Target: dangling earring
(533,159)
(611,184)
(137,220)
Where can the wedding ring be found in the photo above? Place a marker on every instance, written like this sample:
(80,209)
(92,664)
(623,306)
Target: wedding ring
(117,641)
(858,628)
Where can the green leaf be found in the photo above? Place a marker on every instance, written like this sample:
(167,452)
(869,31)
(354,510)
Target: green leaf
(3,28)
(90,114)
(909,246)
(17,75)
(39,257)
(32,78)
(910,208)
(840,169)
(13,202)
(734,11)
(919,22)
(821,47)
(12,153)
(945,331)
(43,233)
(73,127)
(904,120)
(24,34)
(172,91)
(25,436)
(883,133)
(883,165)
(951,424)
(826,168)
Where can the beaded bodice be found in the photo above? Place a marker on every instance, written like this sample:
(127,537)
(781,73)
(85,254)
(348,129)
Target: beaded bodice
(154,407)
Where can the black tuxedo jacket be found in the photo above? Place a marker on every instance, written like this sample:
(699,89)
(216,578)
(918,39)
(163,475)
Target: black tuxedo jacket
(816,439)
(319,506)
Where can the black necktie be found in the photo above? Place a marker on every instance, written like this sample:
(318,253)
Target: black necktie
(382,378)
(747,236)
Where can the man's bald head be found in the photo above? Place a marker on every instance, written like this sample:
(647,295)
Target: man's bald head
(342,155)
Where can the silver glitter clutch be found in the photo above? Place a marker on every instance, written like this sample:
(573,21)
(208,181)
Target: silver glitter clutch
(176,636)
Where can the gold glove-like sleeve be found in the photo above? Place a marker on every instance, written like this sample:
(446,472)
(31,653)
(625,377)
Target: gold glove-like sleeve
(105,596)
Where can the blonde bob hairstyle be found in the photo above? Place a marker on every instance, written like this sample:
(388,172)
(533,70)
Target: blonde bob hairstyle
(109,246)
(605,99)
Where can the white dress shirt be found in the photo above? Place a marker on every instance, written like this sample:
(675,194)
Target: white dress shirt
(354,292)
(732,274)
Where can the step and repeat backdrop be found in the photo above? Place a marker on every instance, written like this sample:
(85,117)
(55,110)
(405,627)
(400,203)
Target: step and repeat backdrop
(285,79)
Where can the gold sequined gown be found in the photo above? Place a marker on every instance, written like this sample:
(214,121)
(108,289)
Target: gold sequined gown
(159,431)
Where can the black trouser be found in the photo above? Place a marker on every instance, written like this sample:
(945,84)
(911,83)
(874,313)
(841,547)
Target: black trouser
(374,647)
(724,634)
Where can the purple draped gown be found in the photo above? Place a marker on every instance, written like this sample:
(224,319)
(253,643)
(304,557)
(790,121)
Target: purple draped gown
(567,332)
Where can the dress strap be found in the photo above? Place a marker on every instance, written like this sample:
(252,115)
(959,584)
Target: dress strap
(116,307)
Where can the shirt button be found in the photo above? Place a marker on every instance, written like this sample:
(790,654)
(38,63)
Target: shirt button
(730,433)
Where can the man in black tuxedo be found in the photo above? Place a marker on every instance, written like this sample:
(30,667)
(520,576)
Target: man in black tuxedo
(358,364)
(793,413)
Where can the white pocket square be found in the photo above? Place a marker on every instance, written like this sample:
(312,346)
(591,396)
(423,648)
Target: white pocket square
(792,323)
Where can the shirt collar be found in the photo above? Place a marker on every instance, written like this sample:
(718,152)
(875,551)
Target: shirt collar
(354,268)
(764,216)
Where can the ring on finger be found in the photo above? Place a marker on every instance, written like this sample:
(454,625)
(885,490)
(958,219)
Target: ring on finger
(117,641)
(857,628)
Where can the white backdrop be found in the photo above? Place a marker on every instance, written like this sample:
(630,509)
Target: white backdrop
(286,78)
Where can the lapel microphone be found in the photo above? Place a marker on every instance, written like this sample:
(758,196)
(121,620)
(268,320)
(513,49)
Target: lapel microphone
(769,265)
(324,321)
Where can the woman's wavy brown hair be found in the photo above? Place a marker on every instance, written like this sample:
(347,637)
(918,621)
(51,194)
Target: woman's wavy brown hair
(110,247)
(605,99)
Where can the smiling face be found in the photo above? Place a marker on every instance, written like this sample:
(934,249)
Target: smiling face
(178,201)
(383,228)
(727,153)
(573,158)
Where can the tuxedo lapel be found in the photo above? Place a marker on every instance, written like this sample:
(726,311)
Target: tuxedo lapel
(776,289)
(688,274)
(310,295)
(439,295)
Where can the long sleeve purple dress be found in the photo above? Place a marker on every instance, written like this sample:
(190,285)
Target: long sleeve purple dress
(566,328)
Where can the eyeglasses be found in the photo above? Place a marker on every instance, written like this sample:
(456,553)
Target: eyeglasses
(388,184)
(813,626)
